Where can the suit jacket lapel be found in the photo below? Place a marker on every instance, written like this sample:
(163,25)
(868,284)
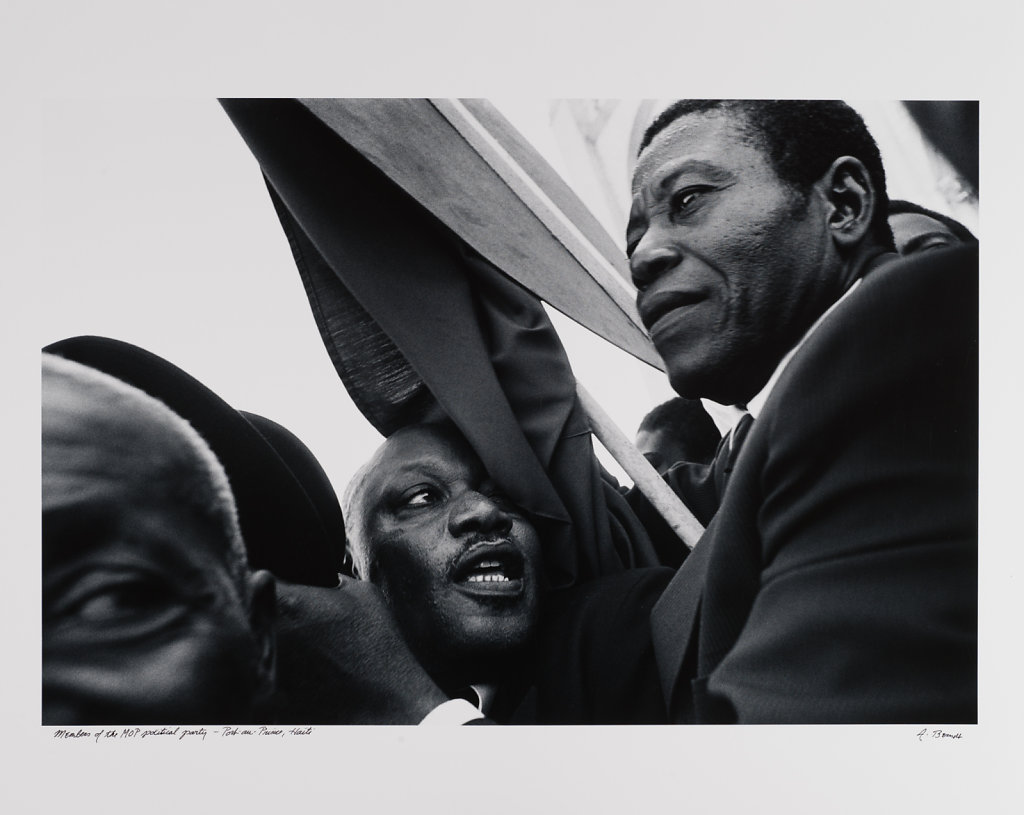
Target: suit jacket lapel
(674,619)
(674,616)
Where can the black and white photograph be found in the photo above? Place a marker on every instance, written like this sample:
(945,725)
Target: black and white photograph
(646,430)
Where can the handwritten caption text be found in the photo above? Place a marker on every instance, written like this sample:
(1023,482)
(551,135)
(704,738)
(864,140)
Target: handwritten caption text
(179,733)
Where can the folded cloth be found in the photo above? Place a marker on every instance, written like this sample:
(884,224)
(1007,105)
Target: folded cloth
(413,319)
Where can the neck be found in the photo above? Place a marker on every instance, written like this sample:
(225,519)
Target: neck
(849,272)
(452,678)
(868,258)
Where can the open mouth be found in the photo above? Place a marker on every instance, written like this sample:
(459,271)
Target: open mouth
(491,568)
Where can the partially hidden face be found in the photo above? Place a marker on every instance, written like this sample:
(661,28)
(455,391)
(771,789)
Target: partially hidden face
(915,232)
(458,564)
(661,448)
(731,264)
(141,621)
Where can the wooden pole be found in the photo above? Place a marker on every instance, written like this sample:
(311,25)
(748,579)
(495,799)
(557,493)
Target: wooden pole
(645,477)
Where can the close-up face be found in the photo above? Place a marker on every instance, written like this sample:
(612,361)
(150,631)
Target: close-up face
(732,265)
(459,565)
(914,232)
(141,621)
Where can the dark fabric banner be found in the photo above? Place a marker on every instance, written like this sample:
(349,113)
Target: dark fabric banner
(412,318)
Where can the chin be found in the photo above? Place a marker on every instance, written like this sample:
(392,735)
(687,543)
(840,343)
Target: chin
(699,382)
(484,646)
(691,367)
(499,635)
(727,375)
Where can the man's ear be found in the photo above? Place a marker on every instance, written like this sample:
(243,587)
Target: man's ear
(851,200)
(262,614)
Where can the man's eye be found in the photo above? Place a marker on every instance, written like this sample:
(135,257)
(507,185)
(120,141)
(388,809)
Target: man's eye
(120,599)
(420,497)
(684,199)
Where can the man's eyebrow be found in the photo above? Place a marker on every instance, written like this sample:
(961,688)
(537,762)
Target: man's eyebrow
(918,241)
(75,533)
(712,171)
(79,526)
(425,468)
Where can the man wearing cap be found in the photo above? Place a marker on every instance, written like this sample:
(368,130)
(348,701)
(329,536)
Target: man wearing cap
(150,611)
(291,525)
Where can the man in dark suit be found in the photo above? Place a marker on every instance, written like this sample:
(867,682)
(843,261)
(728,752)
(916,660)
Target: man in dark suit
(837,581)
(289,521)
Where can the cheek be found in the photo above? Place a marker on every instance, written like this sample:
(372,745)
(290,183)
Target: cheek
(202,671)
(530,543)
(406,566)
(746,250)
(765,273)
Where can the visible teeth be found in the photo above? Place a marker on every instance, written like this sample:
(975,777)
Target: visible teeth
(489,564)
(487,578)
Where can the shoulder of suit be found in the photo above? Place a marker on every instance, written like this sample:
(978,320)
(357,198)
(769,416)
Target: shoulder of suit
(928,270)
(901,316)
(608,594)
(922,289)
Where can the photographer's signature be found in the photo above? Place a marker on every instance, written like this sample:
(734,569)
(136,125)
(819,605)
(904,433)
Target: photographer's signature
(929,733)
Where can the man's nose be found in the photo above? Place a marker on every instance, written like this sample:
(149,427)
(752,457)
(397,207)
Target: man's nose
(478,513)
(652,257)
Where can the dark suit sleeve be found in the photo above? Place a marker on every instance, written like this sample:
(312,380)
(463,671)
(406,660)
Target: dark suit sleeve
(695,484)
(595,662)
(864,606)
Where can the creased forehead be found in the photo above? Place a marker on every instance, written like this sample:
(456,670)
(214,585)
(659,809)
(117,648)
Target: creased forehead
(410,447)
(425,443)
(77,399)
(671,143)
(99,433)
(93,424)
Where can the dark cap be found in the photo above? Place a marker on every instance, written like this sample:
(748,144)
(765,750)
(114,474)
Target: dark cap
(288,510)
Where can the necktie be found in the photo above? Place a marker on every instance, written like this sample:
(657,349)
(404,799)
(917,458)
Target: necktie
(729,452)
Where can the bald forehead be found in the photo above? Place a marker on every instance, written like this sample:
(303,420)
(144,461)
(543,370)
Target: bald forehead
(407,452)
(434,449)
(93,422)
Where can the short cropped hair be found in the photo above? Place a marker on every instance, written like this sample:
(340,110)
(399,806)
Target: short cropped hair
(801,139)
(900,207)
(187,471)
(352,510)
(689,422)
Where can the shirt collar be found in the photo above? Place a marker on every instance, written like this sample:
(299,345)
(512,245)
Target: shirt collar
(485,694)
(729,415)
